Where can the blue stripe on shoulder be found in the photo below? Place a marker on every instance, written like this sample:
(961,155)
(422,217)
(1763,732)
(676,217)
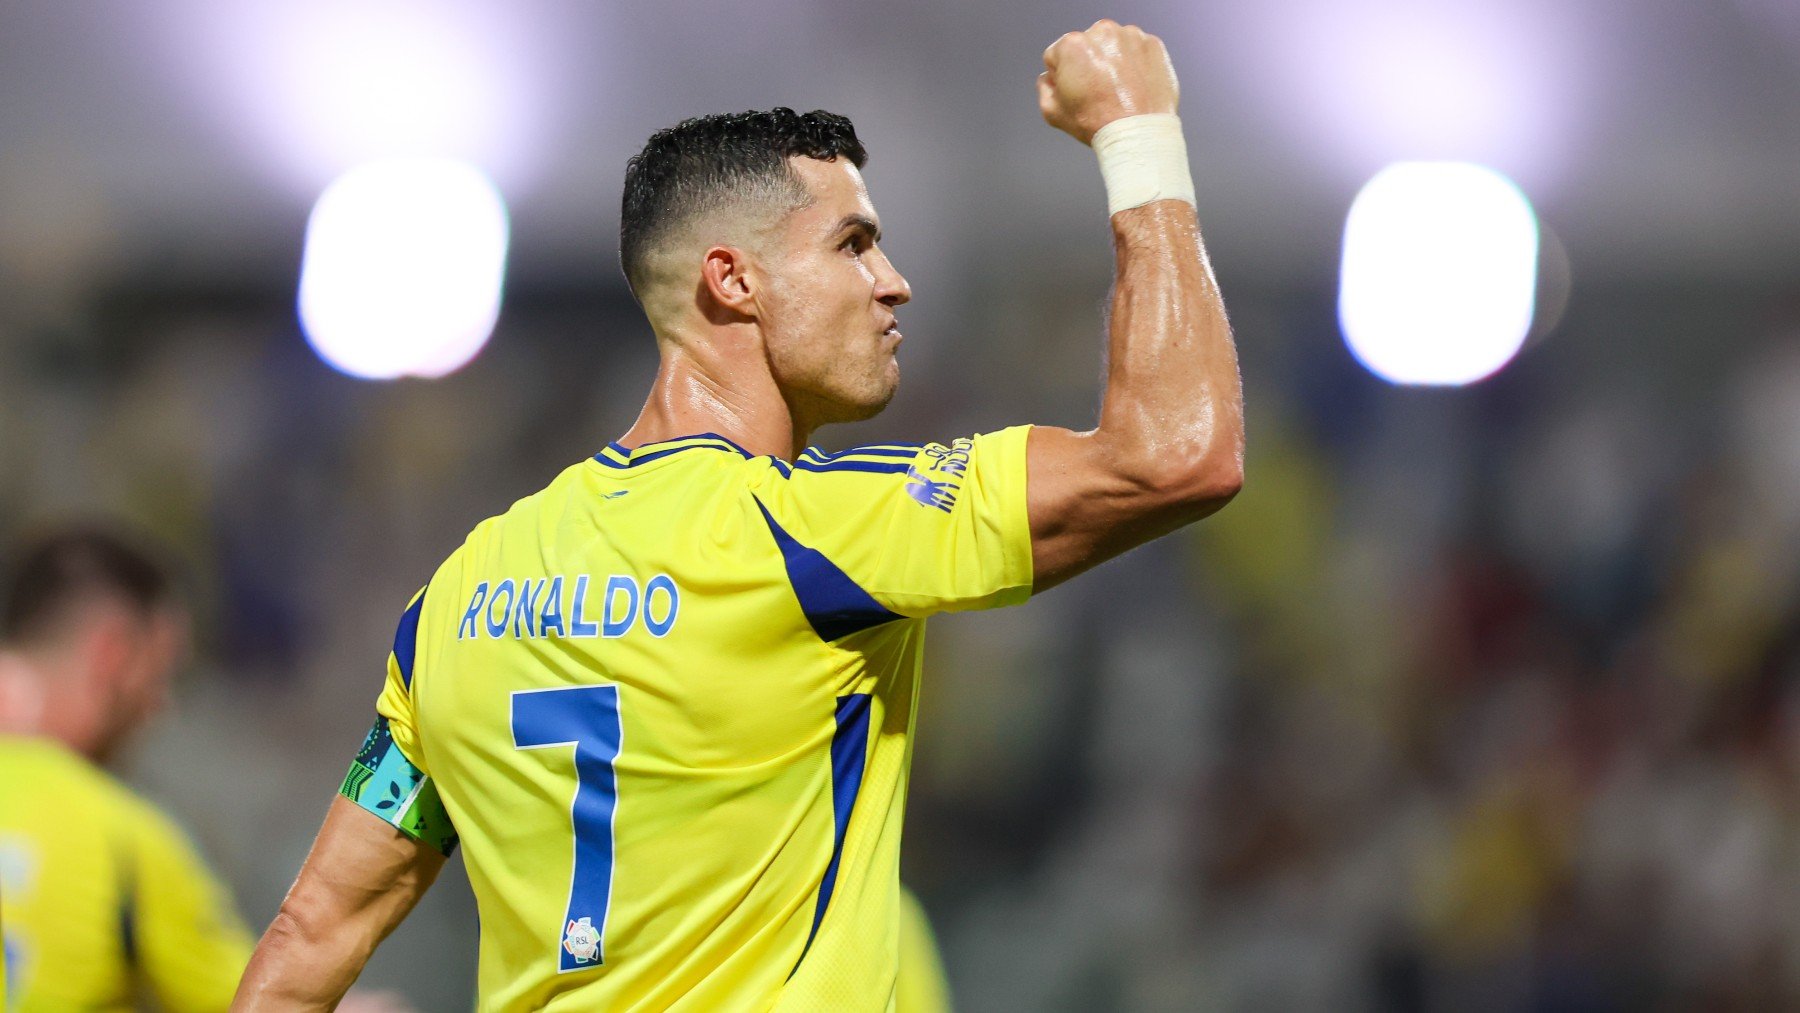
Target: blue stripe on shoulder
(406,639)
(834,604)
(908,451)
(873,467)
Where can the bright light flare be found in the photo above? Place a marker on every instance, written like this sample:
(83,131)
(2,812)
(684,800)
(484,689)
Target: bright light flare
(1439,274)
(403,268)
(316,87)
(1361,84)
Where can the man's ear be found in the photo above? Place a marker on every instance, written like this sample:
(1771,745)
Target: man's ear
(106,645)
(726,278)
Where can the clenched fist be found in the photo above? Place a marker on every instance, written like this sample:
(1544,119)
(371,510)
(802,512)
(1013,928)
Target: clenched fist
(1106,73)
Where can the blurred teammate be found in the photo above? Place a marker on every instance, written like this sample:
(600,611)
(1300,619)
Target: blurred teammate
(667,702)
(921,986)
(107,906)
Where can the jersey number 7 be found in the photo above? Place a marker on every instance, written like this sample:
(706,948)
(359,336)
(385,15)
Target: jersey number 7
(587,718)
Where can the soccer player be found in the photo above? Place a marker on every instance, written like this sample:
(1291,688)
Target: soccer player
(107,904)
(666,703)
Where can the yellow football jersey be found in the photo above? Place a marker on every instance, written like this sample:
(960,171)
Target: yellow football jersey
(107,904)
(667,704)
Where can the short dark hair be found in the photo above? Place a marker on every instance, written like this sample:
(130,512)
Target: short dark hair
(62,568)
(707,162)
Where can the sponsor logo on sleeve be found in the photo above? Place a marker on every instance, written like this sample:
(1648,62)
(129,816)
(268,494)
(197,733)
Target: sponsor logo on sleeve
(929,492)
(937,484)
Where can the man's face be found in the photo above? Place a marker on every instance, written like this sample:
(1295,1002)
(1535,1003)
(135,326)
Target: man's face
(828,309)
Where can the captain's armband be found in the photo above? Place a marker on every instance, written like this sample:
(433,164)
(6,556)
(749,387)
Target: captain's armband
(383,781)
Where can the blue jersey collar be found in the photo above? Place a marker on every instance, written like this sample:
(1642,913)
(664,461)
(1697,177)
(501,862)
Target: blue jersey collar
(614,455)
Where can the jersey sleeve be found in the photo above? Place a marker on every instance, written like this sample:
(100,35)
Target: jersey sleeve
(919,529)
(394,705)
(388,777)
(188,941)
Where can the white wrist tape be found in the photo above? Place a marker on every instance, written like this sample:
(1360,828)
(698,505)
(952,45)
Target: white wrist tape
(1143,159)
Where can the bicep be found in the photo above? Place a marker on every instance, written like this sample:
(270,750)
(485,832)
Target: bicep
(1087,504)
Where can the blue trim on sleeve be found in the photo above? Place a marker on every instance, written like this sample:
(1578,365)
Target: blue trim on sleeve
(849,751)
(835,605)
(406,639)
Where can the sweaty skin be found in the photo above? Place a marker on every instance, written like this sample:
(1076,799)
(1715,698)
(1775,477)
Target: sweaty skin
(786,332)
(790,326)
(1169,448)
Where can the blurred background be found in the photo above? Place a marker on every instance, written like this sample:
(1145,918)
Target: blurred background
(1485,694)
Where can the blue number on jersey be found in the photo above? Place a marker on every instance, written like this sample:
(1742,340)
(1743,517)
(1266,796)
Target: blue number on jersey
(586,717)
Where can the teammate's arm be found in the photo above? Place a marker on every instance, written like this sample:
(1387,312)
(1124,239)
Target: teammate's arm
(360,879)
(1168,449)
(190,945)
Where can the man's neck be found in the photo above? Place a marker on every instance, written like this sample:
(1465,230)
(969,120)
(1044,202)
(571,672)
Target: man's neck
(24,695)
(699,390)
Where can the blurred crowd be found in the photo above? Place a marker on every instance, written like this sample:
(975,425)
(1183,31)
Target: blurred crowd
(1478,699)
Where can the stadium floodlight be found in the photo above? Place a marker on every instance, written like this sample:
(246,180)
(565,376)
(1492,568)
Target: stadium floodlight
(403,268)
(1439,276)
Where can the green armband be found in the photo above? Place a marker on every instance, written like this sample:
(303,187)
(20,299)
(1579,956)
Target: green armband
(384,781)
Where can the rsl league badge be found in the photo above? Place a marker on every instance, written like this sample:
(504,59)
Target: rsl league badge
(582,941)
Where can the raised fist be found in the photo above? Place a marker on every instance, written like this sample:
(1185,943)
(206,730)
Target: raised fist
(1105,73)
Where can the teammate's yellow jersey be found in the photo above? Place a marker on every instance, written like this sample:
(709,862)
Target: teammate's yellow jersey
(667,703)
(108,907)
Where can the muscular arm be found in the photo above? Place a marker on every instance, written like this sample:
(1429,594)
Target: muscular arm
(1169,446)
(359,881)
